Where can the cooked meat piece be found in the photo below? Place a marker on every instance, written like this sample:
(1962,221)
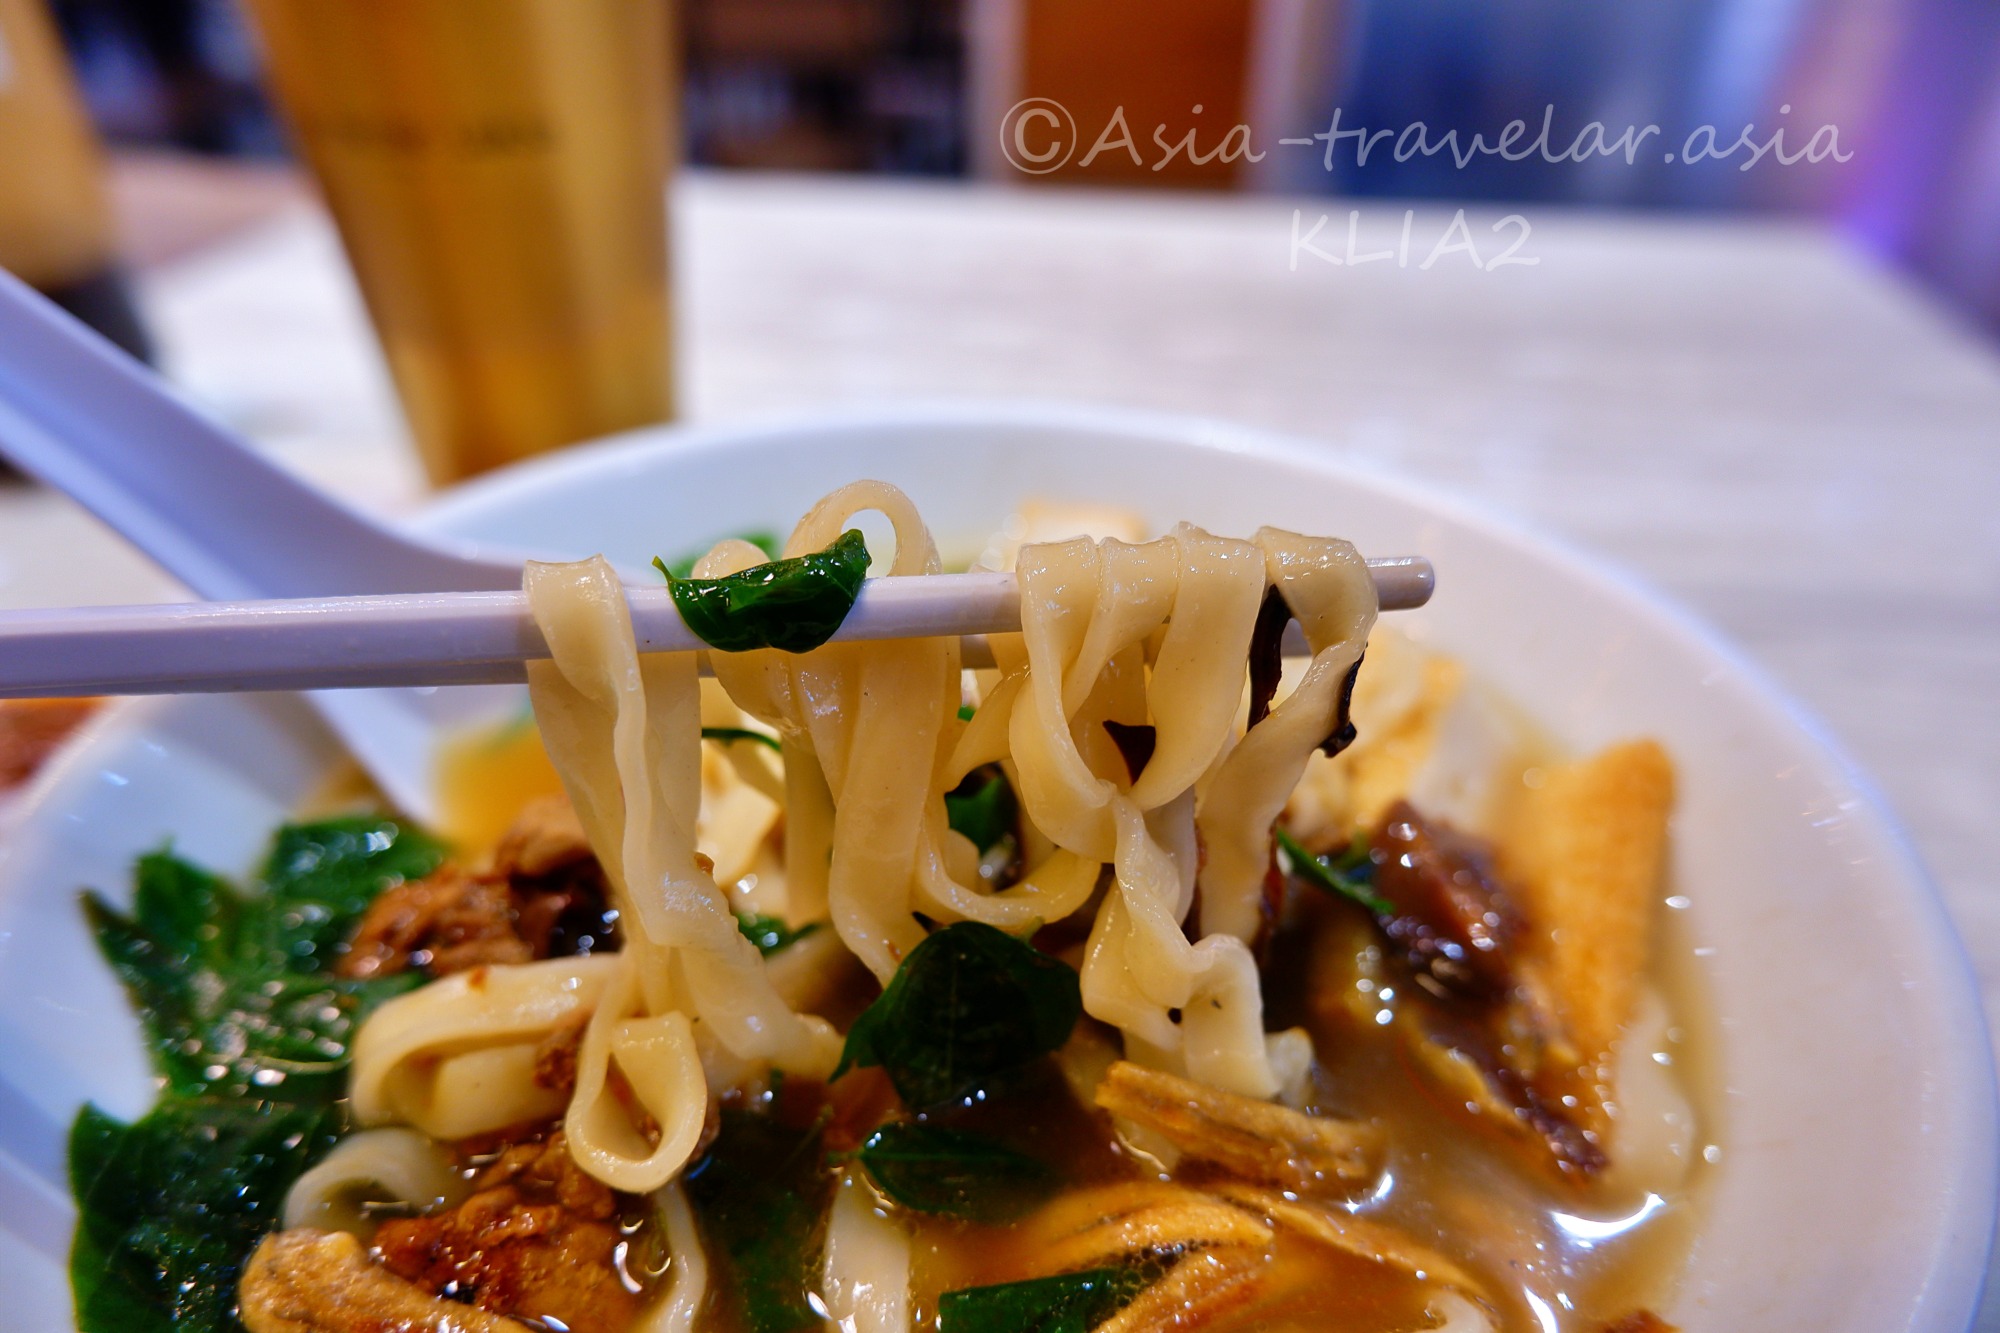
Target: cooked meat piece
(544,897)
(1475,1071)
(306,1281)
(555,1058)
(446,922)
(1248,1138)
(538,1238)
(1451,919)
(544,838)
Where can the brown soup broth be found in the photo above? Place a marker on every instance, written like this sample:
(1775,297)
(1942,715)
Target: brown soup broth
(1555,1257)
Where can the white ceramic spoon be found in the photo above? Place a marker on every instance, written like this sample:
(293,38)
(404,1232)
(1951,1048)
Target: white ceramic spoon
(83,417)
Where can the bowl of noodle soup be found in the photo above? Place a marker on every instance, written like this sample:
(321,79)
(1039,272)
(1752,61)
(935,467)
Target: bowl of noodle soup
(1817,1153)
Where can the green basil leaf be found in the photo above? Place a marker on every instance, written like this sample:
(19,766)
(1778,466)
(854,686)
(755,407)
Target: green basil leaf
(169,1207)
(251,1035)
(683,568)
(769,933)
(732,735)
(936,1170)
(320,878)
(1066,1303)
(983,807)
(762,1191)
(1349,876)
(230,986)
(969,1006)
(794,605)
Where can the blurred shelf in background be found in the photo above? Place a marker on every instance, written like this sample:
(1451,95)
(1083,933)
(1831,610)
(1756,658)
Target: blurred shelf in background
(824,85)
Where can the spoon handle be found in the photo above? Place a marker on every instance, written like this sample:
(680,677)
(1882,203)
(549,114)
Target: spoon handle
(88,420)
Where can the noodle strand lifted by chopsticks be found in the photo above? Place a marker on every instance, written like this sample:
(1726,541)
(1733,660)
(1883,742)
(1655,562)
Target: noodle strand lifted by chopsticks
(1154,635)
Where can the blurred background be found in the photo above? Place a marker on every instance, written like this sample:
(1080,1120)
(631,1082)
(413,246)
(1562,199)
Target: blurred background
(918,87)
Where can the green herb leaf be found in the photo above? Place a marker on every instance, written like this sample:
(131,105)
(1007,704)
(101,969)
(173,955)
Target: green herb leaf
(231,986)
(762,1192)
(769,933)
(970,1005)
(170,1206)
(936,1170)
(320,878)
(251,1035)
(794,605)
(732,735)
(767,542)
(1066,1303)
(1349,876)
(983,807)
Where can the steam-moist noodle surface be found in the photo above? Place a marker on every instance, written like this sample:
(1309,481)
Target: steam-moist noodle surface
(1371,1091)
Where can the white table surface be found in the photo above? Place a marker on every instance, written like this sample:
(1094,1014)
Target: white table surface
(1791,440)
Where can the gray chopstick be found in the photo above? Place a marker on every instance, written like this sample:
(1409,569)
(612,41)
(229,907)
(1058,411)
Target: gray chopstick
(449,638)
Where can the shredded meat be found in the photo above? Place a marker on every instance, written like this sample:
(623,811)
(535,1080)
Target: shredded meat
(537,1238)
(1523,1037)
(555,1058)
(306,1281)
(1245,1137)
(1451,919)
(544,896)
(546,837)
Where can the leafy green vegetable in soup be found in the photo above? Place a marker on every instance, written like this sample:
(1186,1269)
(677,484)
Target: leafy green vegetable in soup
(1351,875)
(769,933)
(983,808)
(793,605)
(762,1192)
(1066,1303)
(249,1032)
(954,1173)
(169,1206)
(741,735)
(969,1006)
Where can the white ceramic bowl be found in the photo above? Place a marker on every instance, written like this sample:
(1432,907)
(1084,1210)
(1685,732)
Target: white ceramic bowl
(1857,1189)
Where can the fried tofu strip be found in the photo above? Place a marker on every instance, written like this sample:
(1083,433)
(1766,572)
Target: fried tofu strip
(1255,1140)
(1588,858)
(1358,1236)
(1096,1226)
(306,1281)
(1195,1292)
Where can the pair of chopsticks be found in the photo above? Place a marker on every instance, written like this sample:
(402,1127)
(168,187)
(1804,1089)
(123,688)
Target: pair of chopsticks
(462,638)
